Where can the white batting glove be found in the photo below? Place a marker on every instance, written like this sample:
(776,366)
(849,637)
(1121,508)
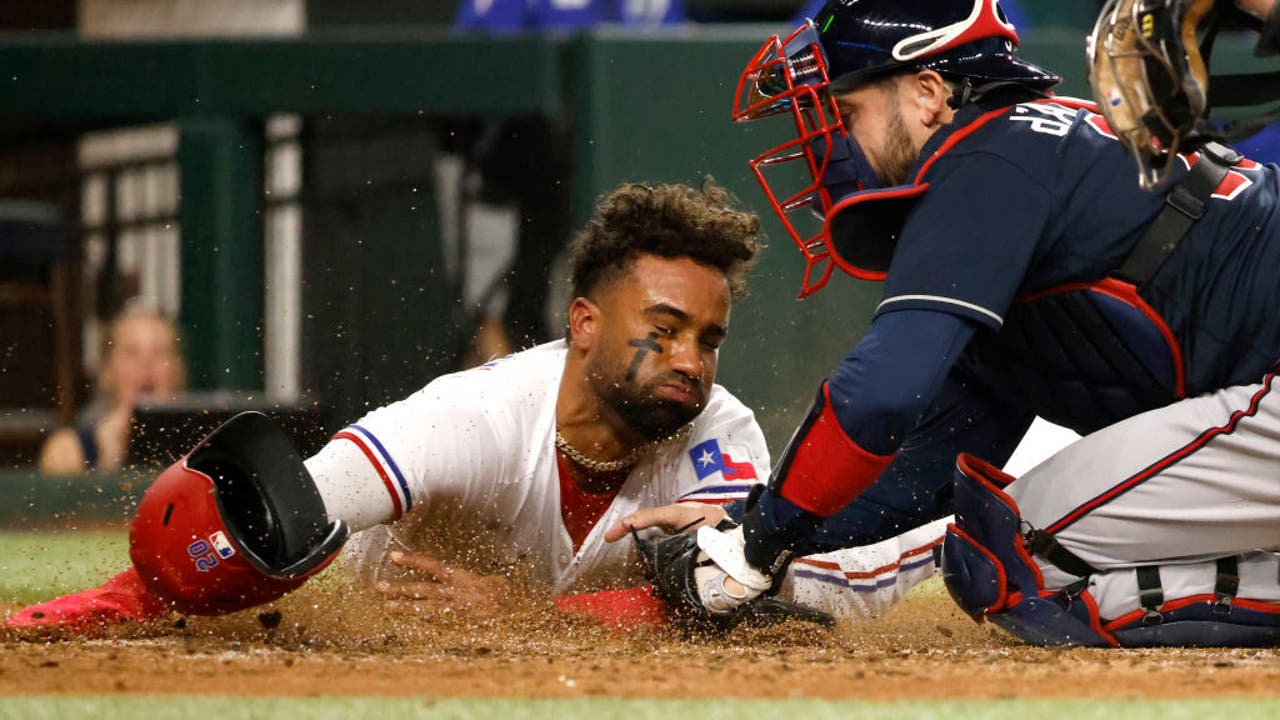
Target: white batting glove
(728,581)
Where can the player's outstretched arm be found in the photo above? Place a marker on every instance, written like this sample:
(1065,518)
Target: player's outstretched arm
(235,523)
(673,517)
(91,612)
(853,583)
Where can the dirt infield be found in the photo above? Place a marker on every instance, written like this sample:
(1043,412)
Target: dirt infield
(924,649)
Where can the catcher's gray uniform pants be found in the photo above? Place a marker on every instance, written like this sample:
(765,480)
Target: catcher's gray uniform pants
(1176,487)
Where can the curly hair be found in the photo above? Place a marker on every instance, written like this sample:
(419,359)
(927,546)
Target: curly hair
(670,221)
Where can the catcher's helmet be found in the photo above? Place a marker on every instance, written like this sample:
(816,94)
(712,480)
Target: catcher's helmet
(974,39)
(851,42)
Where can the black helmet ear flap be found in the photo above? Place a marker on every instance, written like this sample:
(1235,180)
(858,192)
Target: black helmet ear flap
(237,522)
(993,94)
(267,497)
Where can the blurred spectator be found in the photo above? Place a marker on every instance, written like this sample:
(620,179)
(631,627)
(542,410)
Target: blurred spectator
(141,363)
(527,162)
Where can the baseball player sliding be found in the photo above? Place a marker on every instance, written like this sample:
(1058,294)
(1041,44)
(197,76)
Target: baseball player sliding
(1025,272)
(539,465)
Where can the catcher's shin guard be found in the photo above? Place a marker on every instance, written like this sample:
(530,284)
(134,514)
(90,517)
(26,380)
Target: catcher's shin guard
(1200,622)
(236,523)
(988,569)
(1229,601)
(990,573)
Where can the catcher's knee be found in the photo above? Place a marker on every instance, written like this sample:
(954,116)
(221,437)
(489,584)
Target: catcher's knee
(236,523)
(989,571)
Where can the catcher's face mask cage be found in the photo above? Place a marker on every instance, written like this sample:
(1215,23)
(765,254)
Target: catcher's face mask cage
(1149,78)
(788,76)
(850,43)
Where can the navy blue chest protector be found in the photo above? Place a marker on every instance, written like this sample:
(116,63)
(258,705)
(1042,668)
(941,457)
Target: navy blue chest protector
(1087,355)
(1082,356)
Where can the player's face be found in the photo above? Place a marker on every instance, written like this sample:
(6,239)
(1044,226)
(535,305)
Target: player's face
(661,328)
(873,117)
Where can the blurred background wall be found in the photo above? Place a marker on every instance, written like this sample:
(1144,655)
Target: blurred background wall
(340,201)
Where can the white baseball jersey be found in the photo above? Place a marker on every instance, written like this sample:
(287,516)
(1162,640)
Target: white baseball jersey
(469,462)
(465,469)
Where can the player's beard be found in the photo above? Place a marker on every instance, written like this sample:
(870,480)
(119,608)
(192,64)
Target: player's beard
(648,415)
(897,153)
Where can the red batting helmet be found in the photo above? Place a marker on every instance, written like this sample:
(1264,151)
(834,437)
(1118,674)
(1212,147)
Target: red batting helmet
(236,523)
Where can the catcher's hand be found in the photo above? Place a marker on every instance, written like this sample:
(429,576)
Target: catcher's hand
(693,584)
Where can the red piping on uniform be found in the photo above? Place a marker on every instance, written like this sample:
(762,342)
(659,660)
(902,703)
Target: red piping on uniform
(957,136)
(892,194)
(1128,294)
(1095,618)
(386,480)
(1133,616)
(918,186)
(866,574)
(972,127)
(714,501)
(1155,468)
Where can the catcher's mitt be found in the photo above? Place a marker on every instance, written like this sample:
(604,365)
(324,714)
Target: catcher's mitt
(670,562)
(1149,68)
(1149,79)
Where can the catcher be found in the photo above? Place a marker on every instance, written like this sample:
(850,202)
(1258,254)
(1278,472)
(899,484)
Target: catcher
(1025,273)
(526,466)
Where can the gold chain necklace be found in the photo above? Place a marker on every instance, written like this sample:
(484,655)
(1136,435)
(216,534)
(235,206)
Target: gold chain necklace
(613,466)
(600,466)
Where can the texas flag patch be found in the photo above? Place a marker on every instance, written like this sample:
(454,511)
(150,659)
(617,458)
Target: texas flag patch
(708,460)
(735,481)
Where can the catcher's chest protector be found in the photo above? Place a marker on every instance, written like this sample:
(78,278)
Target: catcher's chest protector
(1084,355)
